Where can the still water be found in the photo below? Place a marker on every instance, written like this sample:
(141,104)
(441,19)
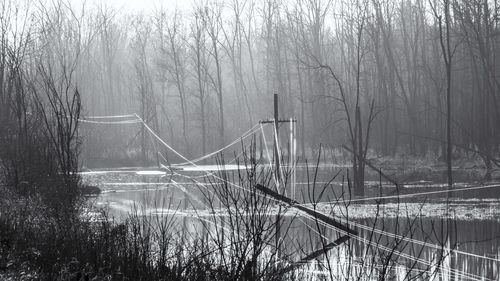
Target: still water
(474,215)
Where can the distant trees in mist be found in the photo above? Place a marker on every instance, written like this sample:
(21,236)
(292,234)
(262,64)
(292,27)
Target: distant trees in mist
(384,75)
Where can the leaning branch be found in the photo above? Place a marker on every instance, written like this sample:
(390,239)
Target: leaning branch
(391,180)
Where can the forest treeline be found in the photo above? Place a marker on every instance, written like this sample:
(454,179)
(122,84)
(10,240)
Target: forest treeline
(392,77)
(372,74)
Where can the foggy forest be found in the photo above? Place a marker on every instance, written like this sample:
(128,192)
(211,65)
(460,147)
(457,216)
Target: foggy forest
(250,140)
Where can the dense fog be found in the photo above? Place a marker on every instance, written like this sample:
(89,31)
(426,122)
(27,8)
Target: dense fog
(204,74)
(249,140)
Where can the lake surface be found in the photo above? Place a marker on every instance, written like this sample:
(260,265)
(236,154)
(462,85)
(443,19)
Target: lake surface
(473,212)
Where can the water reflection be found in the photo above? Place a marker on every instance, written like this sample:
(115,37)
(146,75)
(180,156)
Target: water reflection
(476,228)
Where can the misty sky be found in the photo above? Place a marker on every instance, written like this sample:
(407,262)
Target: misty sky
(145,5)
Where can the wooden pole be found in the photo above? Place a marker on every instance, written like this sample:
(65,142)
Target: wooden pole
(291,160)
(279,188)
(277,173)
(319,217)
(276,131)
(311,212)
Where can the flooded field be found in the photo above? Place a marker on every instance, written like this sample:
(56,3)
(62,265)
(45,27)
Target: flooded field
(414,216)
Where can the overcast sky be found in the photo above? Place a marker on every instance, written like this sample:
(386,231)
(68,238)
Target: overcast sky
(148,5)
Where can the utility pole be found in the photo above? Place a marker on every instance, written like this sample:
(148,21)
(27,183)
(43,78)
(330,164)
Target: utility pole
(276,121)
(279,188)
(276,137)
(278,178)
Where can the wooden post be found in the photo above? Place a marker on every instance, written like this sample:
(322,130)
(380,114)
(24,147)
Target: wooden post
(291,160)
(261,145)
(277,173)
(143,145)
(359,180)
(276,138)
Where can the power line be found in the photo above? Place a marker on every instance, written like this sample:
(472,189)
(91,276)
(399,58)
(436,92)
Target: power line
(411,194)
(253,130)
(110,116)
(110,122)
(390,250)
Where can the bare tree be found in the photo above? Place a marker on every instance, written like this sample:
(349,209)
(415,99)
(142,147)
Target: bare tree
(198,46)
(144,80)
(233,47)
(448,51)
(212,17)
(176,53)
(358,137)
